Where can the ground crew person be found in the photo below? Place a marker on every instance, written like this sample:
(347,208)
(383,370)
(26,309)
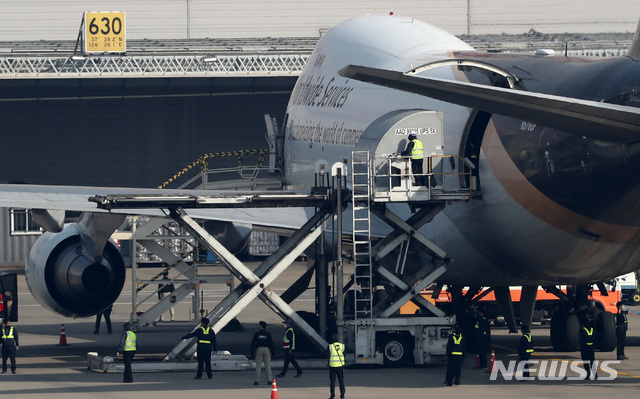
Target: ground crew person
(525,349)
(416,152)
(107,319)
(9,346)
(289,347)
(127,348)
(622,325)
(455,357)
(588,346)
(262,348)
(336,366)
(164,289)
(206,344)
(481,338)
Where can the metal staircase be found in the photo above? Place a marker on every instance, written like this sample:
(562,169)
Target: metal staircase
(361,228)
(361,200)
(371,185)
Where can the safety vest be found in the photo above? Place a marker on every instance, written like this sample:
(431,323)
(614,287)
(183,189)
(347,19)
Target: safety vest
(205,332)
(529,344)
(589,332)
(478,326)
(4,333)
(457,346)
(625,323)
(285,342)
(130,342)
(336,355)
(417,151)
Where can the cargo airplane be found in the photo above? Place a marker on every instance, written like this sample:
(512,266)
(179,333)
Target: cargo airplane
(554,142)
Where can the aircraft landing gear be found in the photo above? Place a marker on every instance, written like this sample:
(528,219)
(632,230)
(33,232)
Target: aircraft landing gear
(566,323)
(565,330)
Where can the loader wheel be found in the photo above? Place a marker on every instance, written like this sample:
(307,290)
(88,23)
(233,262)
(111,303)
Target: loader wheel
(396,348)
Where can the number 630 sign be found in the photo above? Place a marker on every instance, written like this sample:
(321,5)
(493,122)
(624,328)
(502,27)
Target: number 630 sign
(104,32)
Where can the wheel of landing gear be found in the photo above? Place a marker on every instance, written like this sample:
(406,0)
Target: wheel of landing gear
(557,331)
(606,331)
(635,297)
(565,332)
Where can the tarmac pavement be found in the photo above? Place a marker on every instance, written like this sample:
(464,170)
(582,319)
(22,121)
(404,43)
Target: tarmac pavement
(45,368)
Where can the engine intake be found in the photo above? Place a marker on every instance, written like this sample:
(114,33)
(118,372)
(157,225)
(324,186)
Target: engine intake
(63,279)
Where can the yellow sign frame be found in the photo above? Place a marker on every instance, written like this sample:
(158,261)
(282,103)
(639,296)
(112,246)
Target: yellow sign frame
(104,32)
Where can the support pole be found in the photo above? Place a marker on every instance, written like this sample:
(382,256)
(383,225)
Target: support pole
(528,304)
(503,297)
(321,269)
(321,288)
(133,317)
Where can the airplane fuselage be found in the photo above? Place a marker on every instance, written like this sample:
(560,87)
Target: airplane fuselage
(555,207)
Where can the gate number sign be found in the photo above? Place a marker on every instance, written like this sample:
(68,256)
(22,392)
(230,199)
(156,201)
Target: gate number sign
(104,32)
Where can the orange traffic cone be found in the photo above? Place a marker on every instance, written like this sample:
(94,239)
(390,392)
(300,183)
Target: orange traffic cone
(63,337)
(492,362)
(274,390)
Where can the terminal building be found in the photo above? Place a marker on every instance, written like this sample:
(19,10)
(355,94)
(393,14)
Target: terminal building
(197,78)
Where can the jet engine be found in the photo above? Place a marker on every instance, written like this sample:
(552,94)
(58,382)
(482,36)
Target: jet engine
(233,236)
(71,278)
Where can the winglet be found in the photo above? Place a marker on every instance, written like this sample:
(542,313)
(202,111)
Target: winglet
(634,50)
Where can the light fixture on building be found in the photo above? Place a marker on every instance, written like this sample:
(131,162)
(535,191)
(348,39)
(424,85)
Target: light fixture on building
(210,58)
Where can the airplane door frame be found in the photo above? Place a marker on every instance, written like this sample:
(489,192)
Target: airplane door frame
(471,143)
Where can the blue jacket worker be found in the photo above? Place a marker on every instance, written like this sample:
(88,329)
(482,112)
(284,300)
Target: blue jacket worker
(262,349)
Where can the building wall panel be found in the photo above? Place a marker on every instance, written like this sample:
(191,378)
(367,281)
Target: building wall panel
(14,248)
(181,19)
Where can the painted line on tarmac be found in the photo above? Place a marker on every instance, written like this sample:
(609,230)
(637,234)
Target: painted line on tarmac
(506,349)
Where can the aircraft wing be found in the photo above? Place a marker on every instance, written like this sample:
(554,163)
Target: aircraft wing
(76,198)
(602,121)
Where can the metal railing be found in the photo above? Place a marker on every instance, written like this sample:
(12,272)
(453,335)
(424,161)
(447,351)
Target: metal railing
(247,174)
(152,66)
(442,175)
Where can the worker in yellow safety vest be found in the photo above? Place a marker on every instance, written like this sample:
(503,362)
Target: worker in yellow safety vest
(9,346)
(525,349)
(415,151)
(336,366)
(127,348)
(481,337)
(206,345)
(289,347)
(588,346)
(455,356)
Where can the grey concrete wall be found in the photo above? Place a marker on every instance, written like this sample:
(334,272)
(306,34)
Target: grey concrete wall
(181,19)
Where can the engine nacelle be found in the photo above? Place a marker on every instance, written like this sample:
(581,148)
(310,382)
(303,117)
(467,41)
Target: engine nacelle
(64,280)
(233,236)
